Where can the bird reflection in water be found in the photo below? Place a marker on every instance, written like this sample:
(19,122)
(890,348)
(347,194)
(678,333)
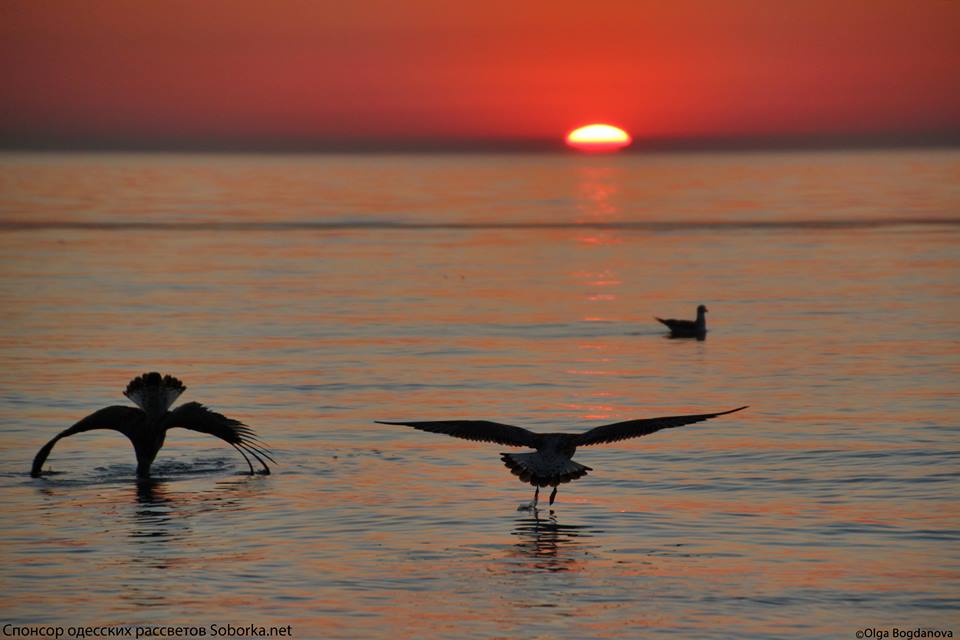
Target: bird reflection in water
(151,492)
(162,517)
(162,514)
(155,517)
(155,529)
(169,529)
(549,545)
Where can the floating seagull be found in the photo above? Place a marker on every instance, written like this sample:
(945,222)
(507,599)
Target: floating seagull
(551,465)
(688,328)
(147,426)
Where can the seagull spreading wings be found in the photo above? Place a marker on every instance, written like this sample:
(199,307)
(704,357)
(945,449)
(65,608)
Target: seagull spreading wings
(147,426)
(551,464)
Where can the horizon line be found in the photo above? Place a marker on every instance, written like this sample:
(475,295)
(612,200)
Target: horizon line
(819,142)
(13,226)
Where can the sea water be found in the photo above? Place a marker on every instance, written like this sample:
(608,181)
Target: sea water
(309,295)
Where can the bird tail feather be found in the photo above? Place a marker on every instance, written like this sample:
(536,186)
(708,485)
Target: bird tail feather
(153,393)
(531,467)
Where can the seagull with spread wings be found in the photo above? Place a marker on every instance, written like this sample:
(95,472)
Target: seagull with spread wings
(551,465)
(147,426)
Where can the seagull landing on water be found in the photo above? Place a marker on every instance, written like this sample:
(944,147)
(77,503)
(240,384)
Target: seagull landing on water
(147,426)
(551,465)
(688,328)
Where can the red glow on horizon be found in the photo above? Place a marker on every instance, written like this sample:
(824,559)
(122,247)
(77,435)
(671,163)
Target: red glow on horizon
(321,75)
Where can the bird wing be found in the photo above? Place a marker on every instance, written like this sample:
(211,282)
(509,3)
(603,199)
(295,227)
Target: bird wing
(636,428)
(479,430)
(675,324)
(116,417)
(196,417)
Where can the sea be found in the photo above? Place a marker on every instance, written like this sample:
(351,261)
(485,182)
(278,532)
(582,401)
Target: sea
(309,295)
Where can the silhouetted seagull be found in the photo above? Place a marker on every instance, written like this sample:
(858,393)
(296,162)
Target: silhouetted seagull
(688,328)
(147,426)
(551,464)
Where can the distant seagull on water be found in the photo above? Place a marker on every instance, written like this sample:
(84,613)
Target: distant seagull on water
(147,426)
(551,465)
(688,328)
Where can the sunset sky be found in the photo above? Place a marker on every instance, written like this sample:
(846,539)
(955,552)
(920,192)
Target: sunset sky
(500,72)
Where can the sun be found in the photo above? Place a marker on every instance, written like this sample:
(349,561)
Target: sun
(598,138)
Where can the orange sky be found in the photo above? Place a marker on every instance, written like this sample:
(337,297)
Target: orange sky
(359,71)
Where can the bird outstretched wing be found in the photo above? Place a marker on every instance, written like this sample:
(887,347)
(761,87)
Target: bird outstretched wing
(479,430)
(196,417)
(636,428)
(116,417)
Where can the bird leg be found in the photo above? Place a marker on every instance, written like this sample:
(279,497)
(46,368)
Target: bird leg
(533,505)
(553,496)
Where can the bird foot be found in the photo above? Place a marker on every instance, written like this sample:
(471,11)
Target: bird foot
(530,506)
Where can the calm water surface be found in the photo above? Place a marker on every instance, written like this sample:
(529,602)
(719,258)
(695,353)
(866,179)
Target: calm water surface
(311,295)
